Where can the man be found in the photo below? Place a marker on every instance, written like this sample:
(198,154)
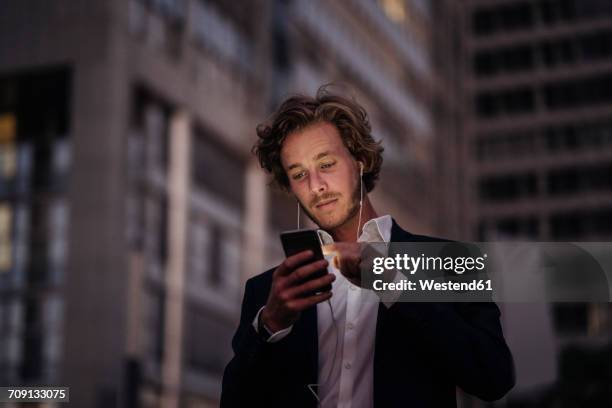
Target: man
(299,347)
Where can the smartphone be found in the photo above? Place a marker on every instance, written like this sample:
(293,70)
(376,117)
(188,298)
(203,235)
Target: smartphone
(301,240)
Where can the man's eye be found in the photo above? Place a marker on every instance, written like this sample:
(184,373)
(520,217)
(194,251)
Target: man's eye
(298,176)
(327,165)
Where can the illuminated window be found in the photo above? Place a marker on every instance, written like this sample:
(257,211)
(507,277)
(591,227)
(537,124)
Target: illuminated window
(394,9)
(7,128)
(6,248)
(8,150)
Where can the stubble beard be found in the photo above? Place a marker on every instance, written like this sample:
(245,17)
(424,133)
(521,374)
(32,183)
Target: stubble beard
(351,213)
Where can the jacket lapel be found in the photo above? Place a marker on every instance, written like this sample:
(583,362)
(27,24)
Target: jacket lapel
(397,235)
(310,345)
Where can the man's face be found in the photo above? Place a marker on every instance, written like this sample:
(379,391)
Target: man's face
(322,174)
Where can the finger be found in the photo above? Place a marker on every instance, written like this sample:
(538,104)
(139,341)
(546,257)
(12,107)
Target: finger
(328,248)
(305,271)
(301,304)
(336,261)
(291,262)
(350,272)
(310,286)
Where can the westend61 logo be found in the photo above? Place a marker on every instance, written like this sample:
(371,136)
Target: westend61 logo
(413,264)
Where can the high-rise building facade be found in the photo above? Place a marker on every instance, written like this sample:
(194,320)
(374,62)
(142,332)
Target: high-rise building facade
(131,208)
(538,147)
(540,130)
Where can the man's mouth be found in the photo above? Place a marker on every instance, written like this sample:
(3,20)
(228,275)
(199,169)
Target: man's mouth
(326,204)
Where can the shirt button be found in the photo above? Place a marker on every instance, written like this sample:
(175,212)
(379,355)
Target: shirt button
(350,326)
(347,366)
(352,287)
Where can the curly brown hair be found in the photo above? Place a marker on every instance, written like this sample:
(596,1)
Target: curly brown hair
(300,111)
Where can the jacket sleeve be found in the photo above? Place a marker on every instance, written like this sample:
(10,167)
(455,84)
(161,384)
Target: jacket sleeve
(470,339)
(237,377)
(252,368)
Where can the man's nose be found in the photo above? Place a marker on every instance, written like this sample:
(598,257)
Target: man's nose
(317,183)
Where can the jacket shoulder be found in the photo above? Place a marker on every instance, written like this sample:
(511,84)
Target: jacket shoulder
(398,234)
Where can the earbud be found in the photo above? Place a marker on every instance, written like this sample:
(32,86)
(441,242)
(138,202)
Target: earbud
(361,169)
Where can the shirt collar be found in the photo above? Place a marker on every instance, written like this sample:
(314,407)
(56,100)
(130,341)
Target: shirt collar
(375,230)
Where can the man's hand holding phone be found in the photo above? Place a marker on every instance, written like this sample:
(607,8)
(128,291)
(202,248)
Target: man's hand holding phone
(293,289)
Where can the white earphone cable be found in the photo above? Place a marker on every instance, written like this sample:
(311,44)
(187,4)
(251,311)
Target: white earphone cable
(360,200)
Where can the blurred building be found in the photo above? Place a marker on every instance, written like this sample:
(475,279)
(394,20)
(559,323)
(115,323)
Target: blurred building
(131,209)
(448,112)
(540,81)
(538,137)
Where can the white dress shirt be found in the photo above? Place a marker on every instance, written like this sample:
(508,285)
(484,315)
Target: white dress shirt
(346,339)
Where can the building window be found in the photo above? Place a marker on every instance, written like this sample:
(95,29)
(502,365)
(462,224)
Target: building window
(580,179)
(557,11)
(590,91)
(214,249)
(11,331)
(154,321)
(156,233)
(595,46)
(148,155)
(558,52)
(6,240)
(581,224)
(35,159)
(506,102)
(508,144)
(150,127)
(510,17)
(210,160)
(508,187)
(518,227)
